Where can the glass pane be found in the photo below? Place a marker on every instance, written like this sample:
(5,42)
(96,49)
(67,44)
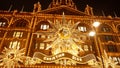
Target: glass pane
(42,36)
(15,44)
(106,29)
(41,45)
(44,27)
(18,34)
(112,48)
(82,28)
(86,47)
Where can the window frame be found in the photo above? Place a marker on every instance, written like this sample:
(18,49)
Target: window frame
(18,34)
(14,44)
(82,28)
(108,38)
(44,26)
(2,24)
(112,48)
(106,29)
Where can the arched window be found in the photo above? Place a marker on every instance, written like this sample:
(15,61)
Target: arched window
(43,25)
(82,27)
(3,22)
(106,28)
(20,23)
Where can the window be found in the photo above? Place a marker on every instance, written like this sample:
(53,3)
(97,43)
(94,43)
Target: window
(21,24)
(42,45)
(38,36)
(15,44)
(86,48)
(112,48)
(108,38)
(2,24)
(106,29)
(82,28)
(18,34)
(43,36)
(36,46)
(44,27)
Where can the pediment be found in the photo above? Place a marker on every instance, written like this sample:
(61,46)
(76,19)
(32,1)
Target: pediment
(67,10)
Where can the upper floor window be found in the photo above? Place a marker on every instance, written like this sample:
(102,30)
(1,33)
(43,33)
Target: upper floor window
(44,26)
(82,28)
(14,44)
(3,22)
(106,29)
(20,23)
(108,38)
(18,34)
(112,48)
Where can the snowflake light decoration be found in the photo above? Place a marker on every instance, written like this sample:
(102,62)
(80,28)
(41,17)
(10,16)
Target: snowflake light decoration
(11,57)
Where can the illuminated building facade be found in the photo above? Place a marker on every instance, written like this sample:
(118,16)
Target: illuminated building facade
(59,35)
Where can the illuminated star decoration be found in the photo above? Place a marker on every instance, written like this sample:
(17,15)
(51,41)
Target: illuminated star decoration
(11,57)
(65,37)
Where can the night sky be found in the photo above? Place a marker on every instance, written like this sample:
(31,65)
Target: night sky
(109,7)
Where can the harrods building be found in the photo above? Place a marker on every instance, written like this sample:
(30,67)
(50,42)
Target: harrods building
(61,36)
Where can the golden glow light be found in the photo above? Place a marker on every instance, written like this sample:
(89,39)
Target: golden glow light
(92,33)
(96,24)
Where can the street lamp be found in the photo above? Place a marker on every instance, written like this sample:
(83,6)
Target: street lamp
(94,33)
(96,24)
